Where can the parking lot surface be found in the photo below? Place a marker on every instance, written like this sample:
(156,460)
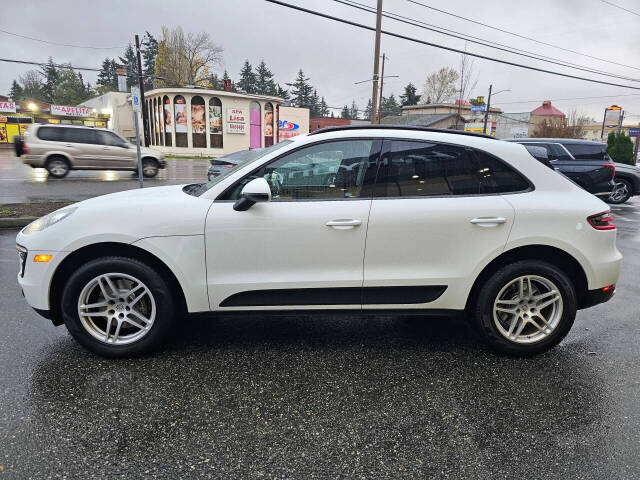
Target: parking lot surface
(325,397)
(21,183)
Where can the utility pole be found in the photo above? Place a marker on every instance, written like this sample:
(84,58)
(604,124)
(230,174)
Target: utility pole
(145,124)
(486,112)
(381,85)
(376,63)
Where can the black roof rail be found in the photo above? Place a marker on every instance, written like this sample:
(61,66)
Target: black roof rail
(418,128)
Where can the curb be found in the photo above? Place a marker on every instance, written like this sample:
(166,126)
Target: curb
(18,222)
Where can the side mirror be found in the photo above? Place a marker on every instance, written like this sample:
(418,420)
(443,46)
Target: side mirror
(257,190)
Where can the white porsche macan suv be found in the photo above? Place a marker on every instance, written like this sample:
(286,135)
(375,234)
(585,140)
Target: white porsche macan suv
(362,219)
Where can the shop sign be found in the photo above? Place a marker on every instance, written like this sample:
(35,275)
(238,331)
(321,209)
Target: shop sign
(236,120)
(612,116)
(8,107)
(70,111)
(288,129)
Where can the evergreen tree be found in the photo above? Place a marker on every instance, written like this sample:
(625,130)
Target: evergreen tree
(621,148)
(265,84)
(215,82)
(130,62)
(314,104)
(367,110)
(281,92)
(149,52)
(70,89)
(301,91)
(353,111)
(390,106)
(345,112)
(410,95)
(50,74)
(247,80)
(107,78)
(324,108)
(16,93)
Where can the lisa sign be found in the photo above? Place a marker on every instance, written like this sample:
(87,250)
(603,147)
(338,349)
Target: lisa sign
(236,120)
(8,107)
(70,111)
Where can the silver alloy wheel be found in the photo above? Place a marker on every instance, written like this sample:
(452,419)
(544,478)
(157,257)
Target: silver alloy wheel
(149,169)
(620,192)
(116,308)
(527,309)
(57,167)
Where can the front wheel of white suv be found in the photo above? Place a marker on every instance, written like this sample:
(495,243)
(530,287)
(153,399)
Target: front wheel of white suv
(118,307)
(526,308)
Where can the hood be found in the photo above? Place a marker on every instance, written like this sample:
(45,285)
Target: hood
(126,217)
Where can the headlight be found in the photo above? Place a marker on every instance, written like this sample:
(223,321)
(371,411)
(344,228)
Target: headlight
(48,220)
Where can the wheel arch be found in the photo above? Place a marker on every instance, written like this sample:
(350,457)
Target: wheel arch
(556,256)
(64,155)
(107,249)
(632,179)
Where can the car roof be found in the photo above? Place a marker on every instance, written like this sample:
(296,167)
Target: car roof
(419,128)
(556,140)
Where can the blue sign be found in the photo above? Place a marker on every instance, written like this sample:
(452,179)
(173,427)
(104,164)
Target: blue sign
(633,132)
(479,108)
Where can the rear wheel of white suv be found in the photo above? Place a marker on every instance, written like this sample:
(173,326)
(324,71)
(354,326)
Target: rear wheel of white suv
(118,307)
(526,308)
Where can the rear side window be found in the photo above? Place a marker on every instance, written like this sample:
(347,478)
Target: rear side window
(587,152)
(414,168)
(51,134)
(498,177)
(80,135)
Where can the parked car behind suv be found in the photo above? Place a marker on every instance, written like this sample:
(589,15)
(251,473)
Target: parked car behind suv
(60,148)
(414,220)
(585,162)
(627,183)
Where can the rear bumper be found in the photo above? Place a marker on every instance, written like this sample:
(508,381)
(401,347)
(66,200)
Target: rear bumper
(595,297)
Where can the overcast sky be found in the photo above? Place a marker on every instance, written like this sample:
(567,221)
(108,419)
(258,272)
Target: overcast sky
(335,56)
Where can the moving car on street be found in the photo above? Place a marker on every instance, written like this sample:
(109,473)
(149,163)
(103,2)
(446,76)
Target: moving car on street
(61,148)
(416,220)
(585,162)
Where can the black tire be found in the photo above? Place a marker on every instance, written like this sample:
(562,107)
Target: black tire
(160,290)
(18,145)
(57,166)
(483,309)
(621,192)
(150,167)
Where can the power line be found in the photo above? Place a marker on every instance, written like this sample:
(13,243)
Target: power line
(480,41)
(60,44)
(443,47)
(518,35)
(567,99)
(57,65)
(621,8)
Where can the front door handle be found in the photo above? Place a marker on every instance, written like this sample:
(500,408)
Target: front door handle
(343,224)
(488,221)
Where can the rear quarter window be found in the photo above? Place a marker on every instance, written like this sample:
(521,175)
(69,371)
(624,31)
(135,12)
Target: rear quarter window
(498,177)
(51,134)
(587,152)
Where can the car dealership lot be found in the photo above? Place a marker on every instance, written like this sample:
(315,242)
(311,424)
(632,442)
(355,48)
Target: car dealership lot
(302,397)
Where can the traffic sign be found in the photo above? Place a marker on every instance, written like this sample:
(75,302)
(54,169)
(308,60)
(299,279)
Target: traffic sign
(633,132)
(135,98)
(479,108)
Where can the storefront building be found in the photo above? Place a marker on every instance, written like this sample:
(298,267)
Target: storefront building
(15,117)
(199,121)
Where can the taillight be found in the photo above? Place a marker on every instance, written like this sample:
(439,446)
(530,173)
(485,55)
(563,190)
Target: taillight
(25,150)
(602,221)
(612,167)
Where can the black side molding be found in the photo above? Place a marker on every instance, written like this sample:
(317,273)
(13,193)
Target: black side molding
(335,296)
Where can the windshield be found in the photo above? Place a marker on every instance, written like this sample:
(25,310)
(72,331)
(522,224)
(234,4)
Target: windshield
(254,155)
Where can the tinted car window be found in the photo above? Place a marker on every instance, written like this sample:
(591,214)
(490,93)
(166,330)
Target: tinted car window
(559,152)
(80,135)
(331,170)
(497,177)
(108,138)
(51,134)
(414,168)
(587,152)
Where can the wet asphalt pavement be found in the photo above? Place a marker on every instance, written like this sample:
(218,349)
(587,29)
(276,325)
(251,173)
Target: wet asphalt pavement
(21,183)
(332,397)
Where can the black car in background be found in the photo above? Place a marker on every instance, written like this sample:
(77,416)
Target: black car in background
(585,162)
(221,165)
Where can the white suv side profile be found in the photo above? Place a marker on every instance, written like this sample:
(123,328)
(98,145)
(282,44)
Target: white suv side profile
(362,219)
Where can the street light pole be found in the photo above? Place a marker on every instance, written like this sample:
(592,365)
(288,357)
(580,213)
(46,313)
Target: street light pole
(145,125)
(486,113)
(376,62)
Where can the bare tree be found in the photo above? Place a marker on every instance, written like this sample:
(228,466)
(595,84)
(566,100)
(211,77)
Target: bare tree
(440,86)
(186,59)
(31,83)
(467,81)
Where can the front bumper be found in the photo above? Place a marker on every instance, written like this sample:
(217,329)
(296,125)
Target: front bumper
(35,278)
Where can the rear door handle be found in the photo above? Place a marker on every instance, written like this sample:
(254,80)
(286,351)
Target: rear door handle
(488,221)
(343,224)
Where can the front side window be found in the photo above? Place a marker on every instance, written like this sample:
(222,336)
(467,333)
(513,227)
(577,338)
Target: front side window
(108,138)
(415,168)
(326,171)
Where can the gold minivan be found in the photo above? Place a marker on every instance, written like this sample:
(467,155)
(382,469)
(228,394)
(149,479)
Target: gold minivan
(60,148)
